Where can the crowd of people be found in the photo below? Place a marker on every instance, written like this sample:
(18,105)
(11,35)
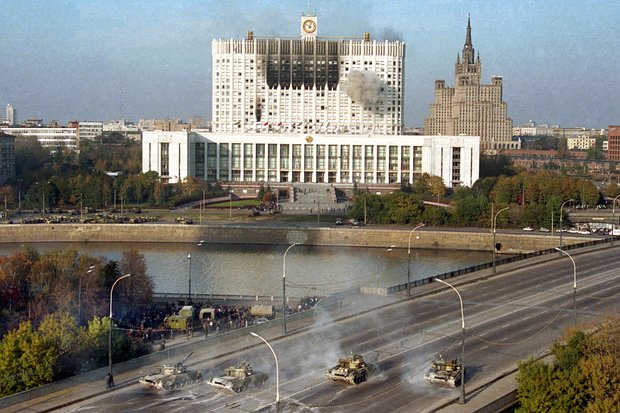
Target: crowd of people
(150,324)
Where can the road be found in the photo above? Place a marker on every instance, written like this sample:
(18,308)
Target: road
(509,317)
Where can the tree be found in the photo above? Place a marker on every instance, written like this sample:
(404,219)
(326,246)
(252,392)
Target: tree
(137,290)
(584,376)
(26,360)
(436,186)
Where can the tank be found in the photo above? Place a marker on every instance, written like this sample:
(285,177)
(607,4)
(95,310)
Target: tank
(239,378)
(444,372)
(352,369)
(172,376)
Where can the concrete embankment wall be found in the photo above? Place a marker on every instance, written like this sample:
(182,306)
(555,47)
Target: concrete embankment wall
(267,234)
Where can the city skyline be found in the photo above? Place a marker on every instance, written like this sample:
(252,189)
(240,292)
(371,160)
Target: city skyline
(96,60)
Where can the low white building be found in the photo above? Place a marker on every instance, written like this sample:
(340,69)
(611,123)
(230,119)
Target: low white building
(51,139)
(345,159)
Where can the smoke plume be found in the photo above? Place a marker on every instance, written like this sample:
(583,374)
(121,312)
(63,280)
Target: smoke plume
(363,87)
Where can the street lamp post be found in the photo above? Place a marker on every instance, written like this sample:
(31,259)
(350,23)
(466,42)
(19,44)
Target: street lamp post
(574,286)
(561,216)
(494,231)
(613,219)
(409,260)
(462,398)
(284,287)
(110,374)
(277,367)
(90,269)
(202,204)
(189,290)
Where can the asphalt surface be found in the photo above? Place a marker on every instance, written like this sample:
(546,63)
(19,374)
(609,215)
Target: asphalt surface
(509,317)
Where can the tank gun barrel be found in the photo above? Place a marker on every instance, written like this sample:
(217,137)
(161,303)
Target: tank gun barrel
(185,359)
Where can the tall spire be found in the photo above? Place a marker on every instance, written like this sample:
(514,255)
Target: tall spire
(468,49)
(468,37)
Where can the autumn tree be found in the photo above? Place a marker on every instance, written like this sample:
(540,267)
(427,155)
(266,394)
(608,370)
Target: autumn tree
(583,377)
(137,290)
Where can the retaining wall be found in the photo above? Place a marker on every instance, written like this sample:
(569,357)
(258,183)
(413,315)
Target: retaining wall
(512,243)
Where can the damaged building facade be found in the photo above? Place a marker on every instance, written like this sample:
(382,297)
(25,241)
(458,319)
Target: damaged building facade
(308,109)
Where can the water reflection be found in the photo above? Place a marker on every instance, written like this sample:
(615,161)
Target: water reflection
(257,269)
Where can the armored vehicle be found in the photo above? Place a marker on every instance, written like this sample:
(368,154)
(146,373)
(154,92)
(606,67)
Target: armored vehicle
(172,376)
(239,378)
(352,369)
(445,372)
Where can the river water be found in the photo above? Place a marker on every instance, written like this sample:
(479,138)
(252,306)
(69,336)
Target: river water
(258,269)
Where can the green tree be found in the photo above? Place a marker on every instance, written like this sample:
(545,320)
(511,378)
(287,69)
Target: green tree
(437,187)
(584,376)
(26,360)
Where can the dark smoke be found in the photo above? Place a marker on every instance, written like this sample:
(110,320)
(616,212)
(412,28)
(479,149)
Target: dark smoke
(390,35)
(363,87)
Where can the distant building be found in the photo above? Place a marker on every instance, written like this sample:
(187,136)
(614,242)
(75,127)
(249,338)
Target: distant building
(582,142)
(613,152)
(307,109)
(7,157)
(336,159)
(307,84)
(89,130)
(52,139)
(471,108)
(11,115)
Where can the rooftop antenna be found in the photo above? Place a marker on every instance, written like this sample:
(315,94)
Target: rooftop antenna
(120,98)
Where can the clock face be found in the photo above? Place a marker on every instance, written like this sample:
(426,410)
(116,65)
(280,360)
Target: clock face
(309,26)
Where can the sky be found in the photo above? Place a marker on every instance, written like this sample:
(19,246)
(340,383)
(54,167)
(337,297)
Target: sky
(111,59)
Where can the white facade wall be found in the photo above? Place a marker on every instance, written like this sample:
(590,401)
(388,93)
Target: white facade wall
(248,96)
(343,158)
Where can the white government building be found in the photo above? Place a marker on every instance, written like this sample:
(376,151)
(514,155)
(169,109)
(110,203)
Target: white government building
(308,109)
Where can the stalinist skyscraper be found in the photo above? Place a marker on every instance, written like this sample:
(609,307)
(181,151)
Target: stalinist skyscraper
(471,108)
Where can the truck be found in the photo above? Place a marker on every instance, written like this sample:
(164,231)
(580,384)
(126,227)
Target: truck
(444,372)
(260,310)
(181,321)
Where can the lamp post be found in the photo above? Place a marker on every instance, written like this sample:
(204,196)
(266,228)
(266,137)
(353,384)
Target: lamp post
(202,203)
(462,398)
(90,269)
(110,374)
(613,219)
(574,286)
(189,290)
(494,231)
(284,287)
(253,334)
(409,260)
(561,216)
(230,206)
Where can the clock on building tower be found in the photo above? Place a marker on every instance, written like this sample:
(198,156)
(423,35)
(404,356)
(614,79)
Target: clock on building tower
(308,26)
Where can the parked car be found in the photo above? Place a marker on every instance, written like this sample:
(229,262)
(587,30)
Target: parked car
(528,229)
(543,229)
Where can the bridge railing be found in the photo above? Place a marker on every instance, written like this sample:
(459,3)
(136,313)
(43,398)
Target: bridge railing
(485,265)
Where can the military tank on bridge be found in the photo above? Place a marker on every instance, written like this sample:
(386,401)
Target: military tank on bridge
(352,369)
(444,372)
(172,376)
(238,378)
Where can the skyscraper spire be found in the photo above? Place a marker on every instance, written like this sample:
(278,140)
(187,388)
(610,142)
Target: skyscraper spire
(468,49)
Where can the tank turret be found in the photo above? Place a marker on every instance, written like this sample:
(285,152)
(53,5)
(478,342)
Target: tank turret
(353,370)
(172,376)
(238,378)
(444,372)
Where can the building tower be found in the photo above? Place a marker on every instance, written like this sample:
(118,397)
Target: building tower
(307,84)
(471,108)
(11,115)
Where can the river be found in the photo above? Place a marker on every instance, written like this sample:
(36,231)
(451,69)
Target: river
(258,269)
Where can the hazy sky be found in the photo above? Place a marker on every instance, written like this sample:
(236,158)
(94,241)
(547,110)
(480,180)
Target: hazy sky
(69,60)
